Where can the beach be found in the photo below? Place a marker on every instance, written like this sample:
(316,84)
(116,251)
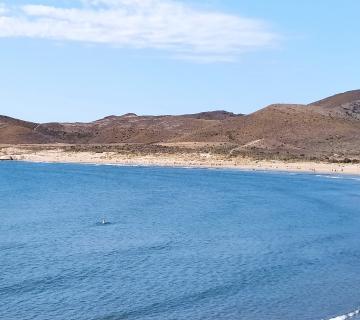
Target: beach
(180,159)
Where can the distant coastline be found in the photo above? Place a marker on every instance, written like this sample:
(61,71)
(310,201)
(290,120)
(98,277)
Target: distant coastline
(181,159)
(323,136)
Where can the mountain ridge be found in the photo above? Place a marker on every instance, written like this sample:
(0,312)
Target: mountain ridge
(323,129)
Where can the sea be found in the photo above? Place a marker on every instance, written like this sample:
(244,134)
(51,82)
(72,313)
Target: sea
(177,243)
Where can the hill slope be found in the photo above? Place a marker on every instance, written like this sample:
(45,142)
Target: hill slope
(326,129)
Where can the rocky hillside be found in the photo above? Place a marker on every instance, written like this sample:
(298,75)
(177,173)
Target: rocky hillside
(327,129)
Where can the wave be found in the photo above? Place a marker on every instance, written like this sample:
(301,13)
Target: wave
(344,177)
(12,246)
(329,176)
(347,316)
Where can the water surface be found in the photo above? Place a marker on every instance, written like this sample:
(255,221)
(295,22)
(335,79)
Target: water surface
(182,244)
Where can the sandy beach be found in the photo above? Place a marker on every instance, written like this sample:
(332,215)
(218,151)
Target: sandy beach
(186,159)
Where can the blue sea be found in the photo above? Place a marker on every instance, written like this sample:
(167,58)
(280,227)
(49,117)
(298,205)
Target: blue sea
(181,244)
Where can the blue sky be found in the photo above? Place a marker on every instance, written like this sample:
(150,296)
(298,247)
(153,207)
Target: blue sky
(83,60)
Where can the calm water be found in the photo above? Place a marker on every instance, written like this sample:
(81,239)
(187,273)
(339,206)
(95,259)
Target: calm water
(183,244)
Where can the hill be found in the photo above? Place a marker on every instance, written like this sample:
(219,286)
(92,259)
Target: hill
(328,129)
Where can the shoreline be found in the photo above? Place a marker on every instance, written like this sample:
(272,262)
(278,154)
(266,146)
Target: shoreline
(329,174)
(181,160)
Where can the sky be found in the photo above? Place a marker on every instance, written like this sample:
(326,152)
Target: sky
(81,60)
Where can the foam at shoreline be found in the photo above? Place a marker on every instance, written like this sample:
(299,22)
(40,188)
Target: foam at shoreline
(350,315)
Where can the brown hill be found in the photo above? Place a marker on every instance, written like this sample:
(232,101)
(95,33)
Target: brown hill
(14,131)
(327,129)
(343,105)
(339,99)
(212,115)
